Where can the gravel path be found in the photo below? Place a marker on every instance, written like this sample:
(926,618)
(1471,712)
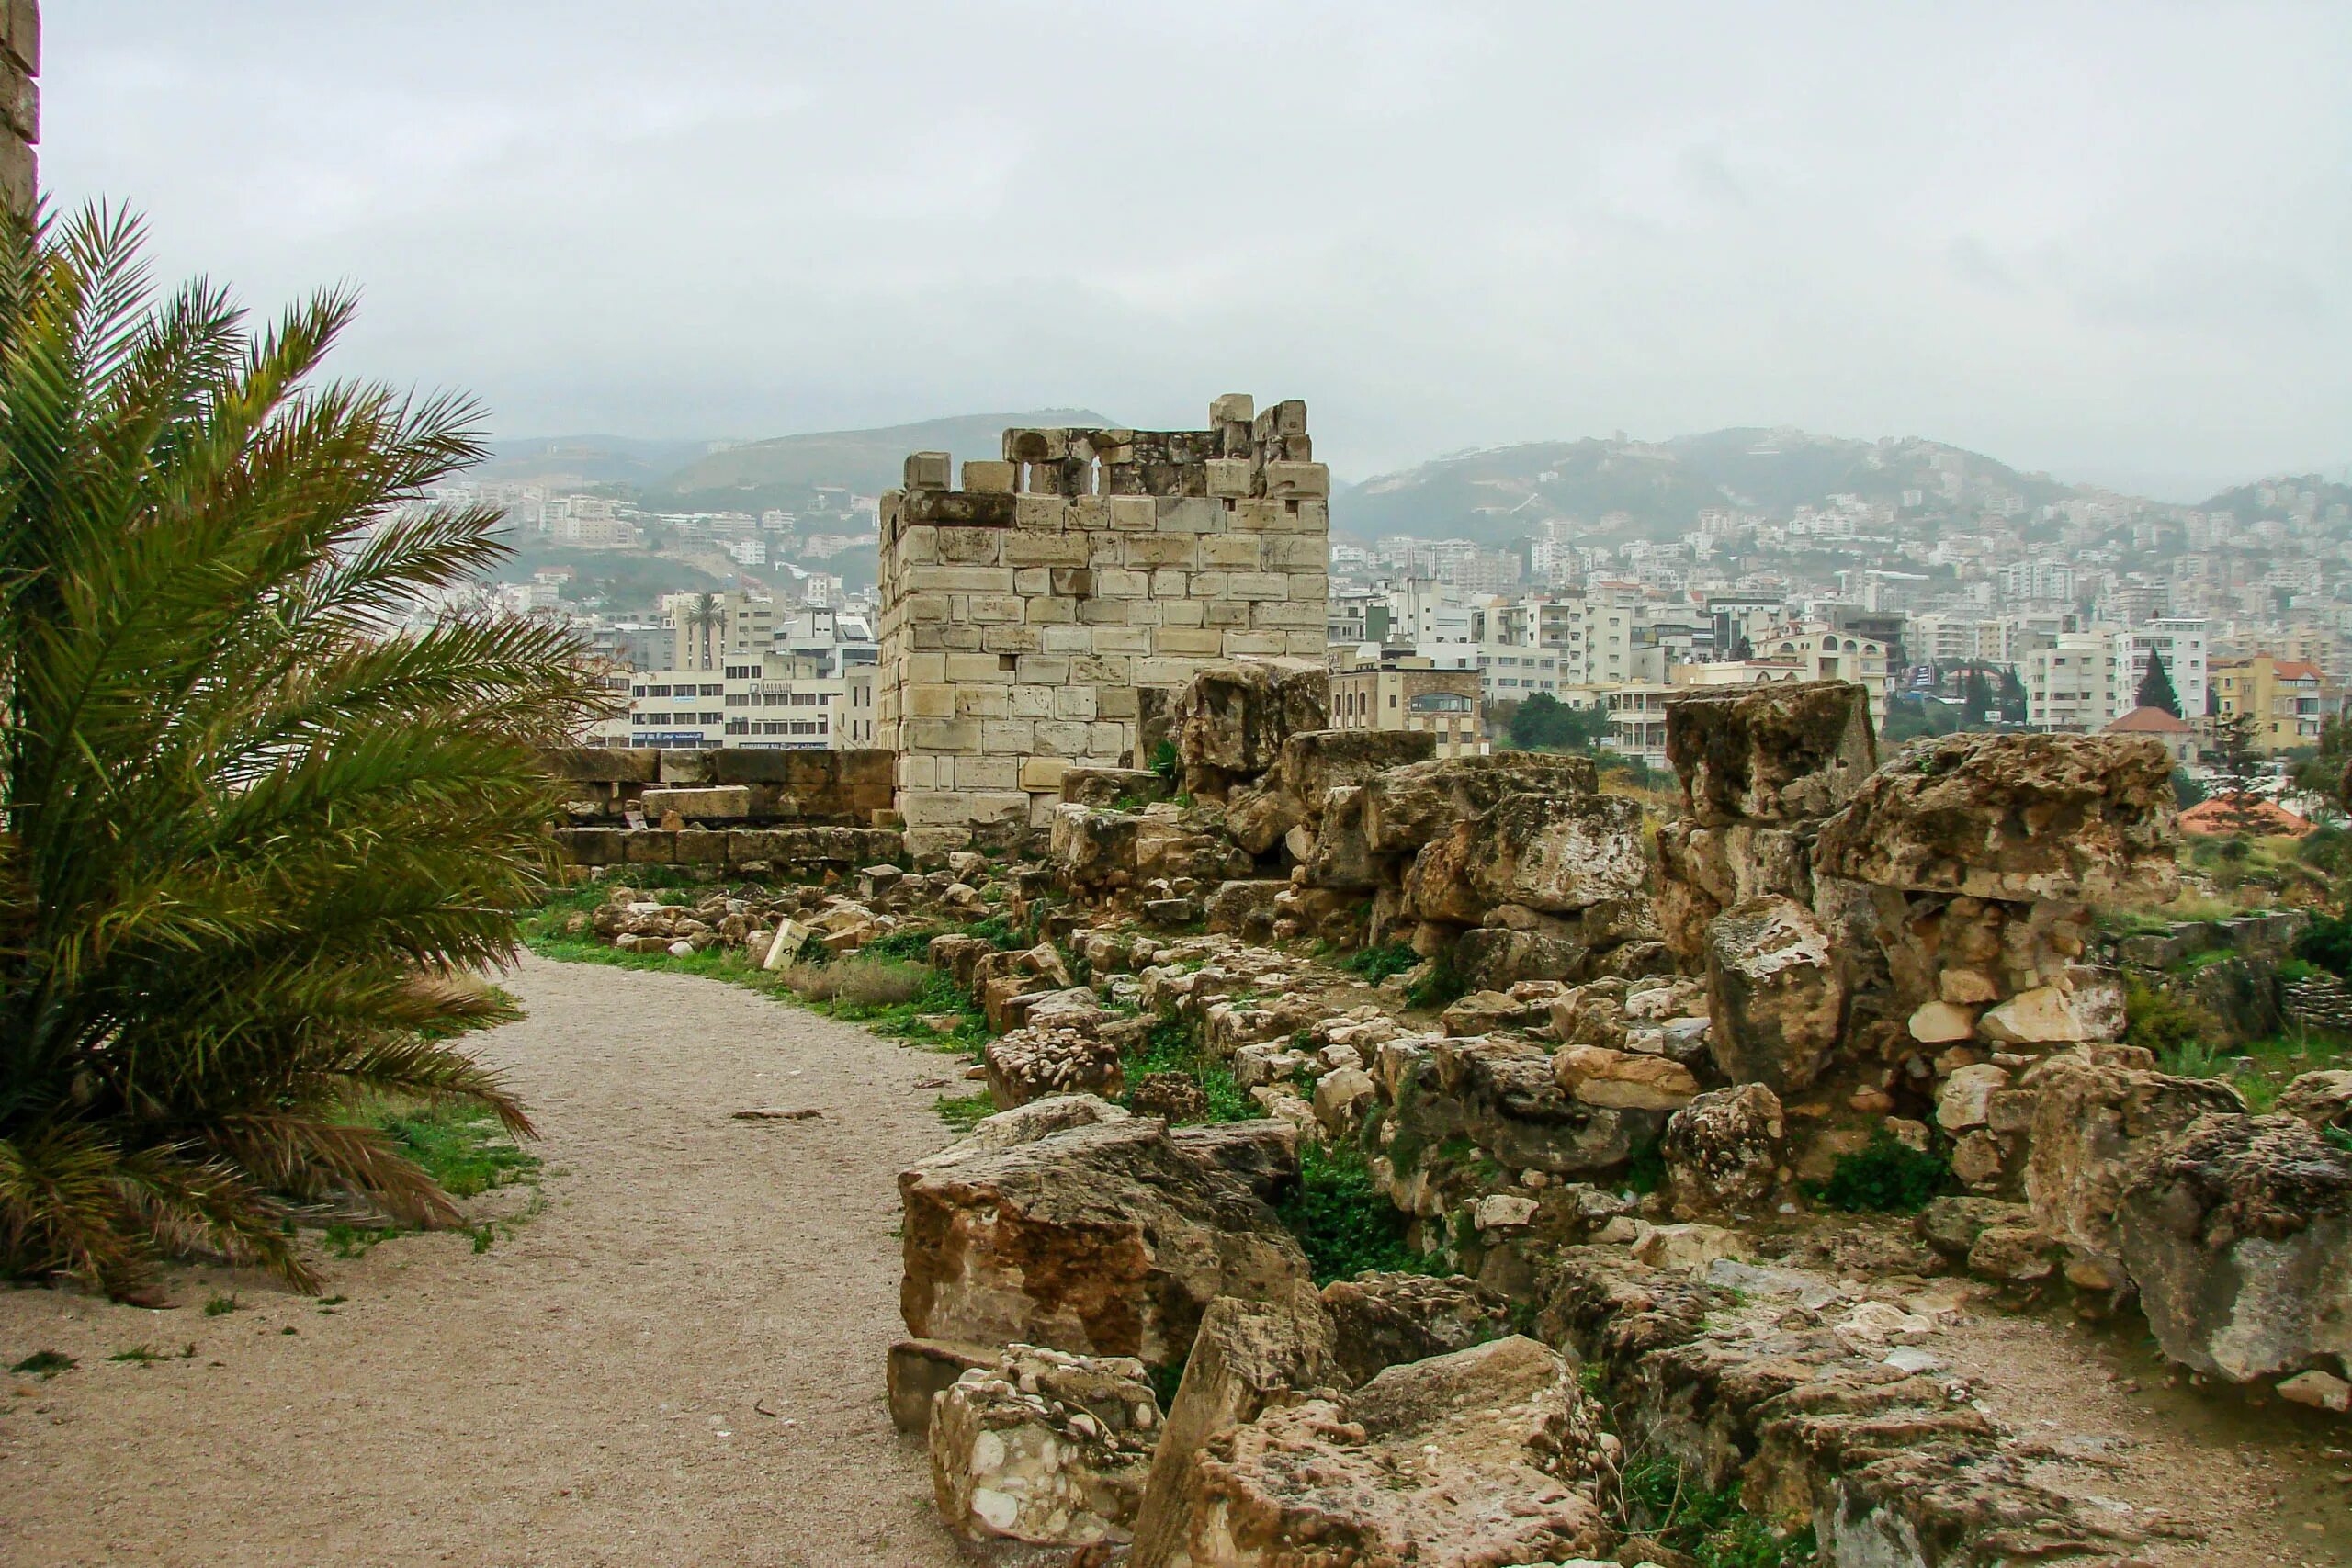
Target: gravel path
(678,1361)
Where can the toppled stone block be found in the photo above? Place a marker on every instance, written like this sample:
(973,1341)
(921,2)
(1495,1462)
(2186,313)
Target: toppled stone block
(1245,910)
(1554,854)
(1409,806)
(1104,788)
(2076,817)
(2238,1234)
(1043,1447)
(1041,1060)
(1625,1080)
(1724,1151)
(1231,720)
(1382,1320)
(1104,1239)
(2099,1107)
(1485,1457)
(1776,992)
(1777,753)
(1309,766)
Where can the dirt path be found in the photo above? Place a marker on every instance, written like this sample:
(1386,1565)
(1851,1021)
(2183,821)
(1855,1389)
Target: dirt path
(678,1361)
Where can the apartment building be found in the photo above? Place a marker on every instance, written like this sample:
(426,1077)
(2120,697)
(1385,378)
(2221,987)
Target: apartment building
(709,630)
(1410,692)
(2287,698)
(2181,641)
(1816,650)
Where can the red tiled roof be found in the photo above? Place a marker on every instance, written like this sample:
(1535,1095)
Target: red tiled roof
(2287,672)
(2150,721)
(2216,815)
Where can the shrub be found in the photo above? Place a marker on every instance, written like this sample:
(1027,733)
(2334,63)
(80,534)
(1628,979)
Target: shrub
(912,946)
(2327,942)
(1376,963)
(1887,1178)
(2162,1023)
(1163,760)
(249,828)
(993,929)
(861,981)
(1344,1223)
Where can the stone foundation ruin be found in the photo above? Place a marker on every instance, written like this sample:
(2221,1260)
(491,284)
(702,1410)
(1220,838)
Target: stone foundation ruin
(1042,616)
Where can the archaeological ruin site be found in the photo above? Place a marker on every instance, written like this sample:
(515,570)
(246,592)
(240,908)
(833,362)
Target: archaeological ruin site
(1395,1160)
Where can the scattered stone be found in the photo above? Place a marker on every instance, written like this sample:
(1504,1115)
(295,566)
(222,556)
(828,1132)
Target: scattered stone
(1724,1152)
(1381,1320)
(1044,1448)
(1777,995)
(1172,1096)
(2318,1389)
(772,1113)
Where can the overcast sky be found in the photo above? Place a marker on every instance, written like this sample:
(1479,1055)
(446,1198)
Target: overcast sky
(2114,241)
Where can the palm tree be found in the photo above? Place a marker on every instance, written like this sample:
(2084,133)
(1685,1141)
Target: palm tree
(704,615)
(251,832)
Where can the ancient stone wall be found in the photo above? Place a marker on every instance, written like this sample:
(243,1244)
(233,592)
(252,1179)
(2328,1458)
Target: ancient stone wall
(1039,617)
(19,102)
(607,786)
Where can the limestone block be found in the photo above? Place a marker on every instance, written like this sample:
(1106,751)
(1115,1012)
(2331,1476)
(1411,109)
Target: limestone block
(1261,517)
(1008,736)
(1108,738)
(1296,552)
(1312,586)
(1188,514)
(1059,737)
(943,735)
(1042,669)
(1190,639)
(971,546)
(1041,512)
(1044,549)
(959,580)
(930,702)
(1068,582)
(1010,639)
(1118,582)
(1231,552)
(1252,645)
(1285,480)
(990,478)
(934,808)
(1028,702)
(1058,611)
(698,804)
(1089,511)
(1104,670)
(982,669)
(997,609)
(1170,582)
(928,471)
(1111,641)
(1043,773)
(1182,612)
(1163,549)
(1257,585)
(917,544)
(1132,513)
(1116,702)
(1231,476)
(1233,408)
(985,701)
(1077,703)
(926,607)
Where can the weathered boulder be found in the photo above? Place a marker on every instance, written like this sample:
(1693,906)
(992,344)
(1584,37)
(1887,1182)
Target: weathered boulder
(1501,1093)
(1027,1123)
(2095,1109)
(1774,753)
(1486,1457)
(1626,1079)
(1093,848)
(2013,816)
(1724,1151)
(1342,857)
(2238,1234)
(1310,764)
(1228,722)
(1043,1447)
(1248,1357)
(1952,1226)
(2322,1099)
(1407,807)
(1381,1320)
(1552,853)
(2085,1005)
(1245,908)
(1172,1096)
(1040,1060)
(1106,1239)
(1776,992)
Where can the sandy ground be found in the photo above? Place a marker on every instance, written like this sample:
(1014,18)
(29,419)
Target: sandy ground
(679,1361)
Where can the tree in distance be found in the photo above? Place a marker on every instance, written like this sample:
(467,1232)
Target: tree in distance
(254,838)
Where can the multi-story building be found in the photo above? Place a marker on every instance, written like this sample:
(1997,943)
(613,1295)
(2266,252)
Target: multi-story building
(1819,651)
(2180,641)
(708,630)
(2286,698)
(1409,693)
(2076,682)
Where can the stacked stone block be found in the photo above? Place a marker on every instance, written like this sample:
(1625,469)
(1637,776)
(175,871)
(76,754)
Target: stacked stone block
(19,101)
(1035,619)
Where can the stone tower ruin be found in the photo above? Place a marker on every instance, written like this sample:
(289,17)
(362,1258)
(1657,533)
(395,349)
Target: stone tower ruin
(1039,618)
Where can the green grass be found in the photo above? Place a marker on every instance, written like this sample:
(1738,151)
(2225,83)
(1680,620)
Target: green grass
(218,1305)
(1344,1223)
(139,1355)
(460,1147)
(1665,1502)
(1168,1048)
(965,1111)
(1439,989)
(1887,1178)
(44,1364)
(1374,965)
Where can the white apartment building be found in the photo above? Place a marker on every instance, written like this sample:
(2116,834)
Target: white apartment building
(1818,651)
(759,704)
(2076,685)
(2183,642)
(708,630)
(2044,582)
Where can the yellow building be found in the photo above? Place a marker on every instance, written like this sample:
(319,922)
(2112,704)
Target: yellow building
(2285,697)
(1412,694)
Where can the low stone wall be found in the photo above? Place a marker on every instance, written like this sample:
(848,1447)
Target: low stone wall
(787,852)
(2271,934)
(2321,1001)
(608,787)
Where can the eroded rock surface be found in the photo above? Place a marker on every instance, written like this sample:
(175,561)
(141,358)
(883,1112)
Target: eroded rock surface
(1043,1447)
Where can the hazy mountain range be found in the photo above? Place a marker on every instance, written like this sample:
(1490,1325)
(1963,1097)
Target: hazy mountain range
(1622,489)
